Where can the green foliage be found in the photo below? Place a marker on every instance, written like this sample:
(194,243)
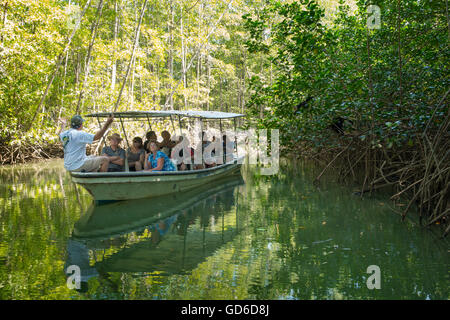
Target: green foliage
(395,74)
(33,35)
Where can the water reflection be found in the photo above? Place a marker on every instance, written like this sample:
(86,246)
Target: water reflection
(154,235)
(276,237)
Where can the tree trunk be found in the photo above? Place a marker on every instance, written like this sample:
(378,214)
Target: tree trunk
(183,57)
(243,82)
(448,20)
(400,82)
(199,57)
(94,29)
(115,31)
(136,40)
(5,15)
(63,86)
(131,90)
(57,65)
(208,80)
(171,24)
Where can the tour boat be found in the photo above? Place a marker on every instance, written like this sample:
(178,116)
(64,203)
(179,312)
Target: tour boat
(144,184)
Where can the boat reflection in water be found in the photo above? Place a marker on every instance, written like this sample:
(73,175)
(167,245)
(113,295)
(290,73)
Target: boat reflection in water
(167,235)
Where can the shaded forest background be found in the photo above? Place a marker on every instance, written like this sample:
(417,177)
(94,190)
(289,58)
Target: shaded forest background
(352,97)
(188,54)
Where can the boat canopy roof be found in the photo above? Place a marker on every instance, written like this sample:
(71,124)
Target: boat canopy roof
(167,113)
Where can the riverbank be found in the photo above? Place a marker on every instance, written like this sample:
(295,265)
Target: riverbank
(417,171)
(28,152)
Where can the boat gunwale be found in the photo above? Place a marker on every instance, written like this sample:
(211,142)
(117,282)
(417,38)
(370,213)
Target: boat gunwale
(128,174)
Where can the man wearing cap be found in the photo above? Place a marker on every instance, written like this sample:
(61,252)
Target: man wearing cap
(74,143)
(115,153)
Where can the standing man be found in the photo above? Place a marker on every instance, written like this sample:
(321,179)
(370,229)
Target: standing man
(74,142)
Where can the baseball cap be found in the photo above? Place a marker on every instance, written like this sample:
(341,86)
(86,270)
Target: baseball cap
(76,121)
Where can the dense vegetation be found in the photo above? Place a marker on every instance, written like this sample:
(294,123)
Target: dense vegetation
(373,98)
(187,54)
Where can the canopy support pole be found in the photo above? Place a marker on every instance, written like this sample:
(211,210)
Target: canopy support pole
(124,132)
(173,124)
(149,125)
(221,139)
(103,138)
(201,143)
(127,169)
(179,122)
(235,138)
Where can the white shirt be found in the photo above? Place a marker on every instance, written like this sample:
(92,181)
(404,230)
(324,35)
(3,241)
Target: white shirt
(74,143)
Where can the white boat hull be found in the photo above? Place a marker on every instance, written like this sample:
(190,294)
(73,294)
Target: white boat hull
(138,185)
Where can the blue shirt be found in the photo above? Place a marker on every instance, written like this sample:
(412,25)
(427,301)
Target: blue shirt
(168,165)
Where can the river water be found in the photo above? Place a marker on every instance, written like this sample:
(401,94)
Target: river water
(249,237)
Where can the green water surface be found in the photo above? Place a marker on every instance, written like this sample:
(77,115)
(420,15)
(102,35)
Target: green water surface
(249,237)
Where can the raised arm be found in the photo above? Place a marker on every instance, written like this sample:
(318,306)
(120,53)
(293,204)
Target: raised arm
(102,131)
(63,124)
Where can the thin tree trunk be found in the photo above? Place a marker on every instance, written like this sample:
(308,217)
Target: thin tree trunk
(208,80)
(371,95)
(136,40)
(200,47)
(199,57)
(199,71)
(448,20)
(399,44)
(183,56)
(140,82)
(57,65)
(5,15)
(130,102)
(220,95)
(63,86)
(77,70)
(238,93)
(115,31)
(243,82)
(94,29)
(171,25)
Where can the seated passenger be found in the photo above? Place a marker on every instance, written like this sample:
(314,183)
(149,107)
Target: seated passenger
(136,155)
(157,160)
(150,136)
(166,145)
(115,153)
